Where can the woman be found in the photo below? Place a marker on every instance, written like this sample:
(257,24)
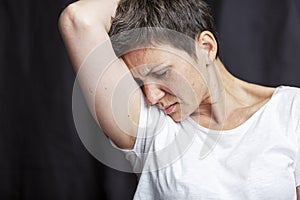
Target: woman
(189,128)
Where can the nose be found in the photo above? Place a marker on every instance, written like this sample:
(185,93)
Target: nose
(153,93)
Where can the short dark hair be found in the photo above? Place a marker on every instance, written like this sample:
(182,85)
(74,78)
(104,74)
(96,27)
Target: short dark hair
(148,22)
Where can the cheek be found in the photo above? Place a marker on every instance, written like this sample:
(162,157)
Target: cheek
(185,85)
(179,87)
(190,90)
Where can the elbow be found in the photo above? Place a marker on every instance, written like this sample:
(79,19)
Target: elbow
(73,18)
(67,18)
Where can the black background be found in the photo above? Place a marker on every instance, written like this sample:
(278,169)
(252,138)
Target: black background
(41,155)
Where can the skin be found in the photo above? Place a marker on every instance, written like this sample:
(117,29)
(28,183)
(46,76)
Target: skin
(169,81)
(201,89)
(84,26)
(206,92)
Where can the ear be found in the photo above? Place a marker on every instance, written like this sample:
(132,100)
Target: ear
(207,42)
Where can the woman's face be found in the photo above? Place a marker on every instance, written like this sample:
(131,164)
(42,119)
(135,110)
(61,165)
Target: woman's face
(170,79)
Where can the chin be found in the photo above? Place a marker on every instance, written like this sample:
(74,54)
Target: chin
(177,117)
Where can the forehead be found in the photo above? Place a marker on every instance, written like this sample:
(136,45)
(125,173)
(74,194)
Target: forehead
(151,57)
(145,57)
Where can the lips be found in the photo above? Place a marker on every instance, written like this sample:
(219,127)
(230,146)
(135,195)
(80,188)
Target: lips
(169,109)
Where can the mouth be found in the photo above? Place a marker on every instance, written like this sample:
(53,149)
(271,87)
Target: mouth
(169,109)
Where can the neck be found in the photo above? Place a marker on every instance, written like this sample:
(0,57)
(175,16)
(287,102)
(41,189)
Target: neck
(230,101)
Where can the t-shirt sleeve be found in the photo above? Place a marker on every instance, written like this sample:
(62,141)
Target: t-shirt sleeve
(297,166)
(155,133)
(296,116)
(297,172)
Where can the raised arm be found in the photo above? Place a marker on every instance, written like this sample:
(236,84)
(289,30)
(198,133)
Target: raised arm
(84,26)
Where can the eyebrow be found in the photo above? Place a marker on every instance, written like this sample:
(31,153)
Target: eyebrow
(140,82)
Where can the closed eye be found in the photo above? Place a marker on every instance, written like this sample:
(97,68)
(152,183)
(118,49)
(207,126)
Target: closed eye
(160,74)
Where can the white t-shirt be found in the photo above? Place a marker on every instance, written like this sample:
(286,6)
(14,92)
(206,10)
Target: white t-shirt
(256,160)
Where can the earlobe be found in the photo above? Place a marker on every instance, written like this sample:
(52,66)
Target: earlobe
(207,42)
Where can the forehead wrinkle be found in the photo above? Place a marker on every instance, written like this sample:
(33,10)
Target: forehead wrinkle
(144,61)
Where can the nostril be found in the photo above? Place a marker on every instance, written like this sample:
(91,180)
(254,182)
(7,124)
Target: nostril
(150,103)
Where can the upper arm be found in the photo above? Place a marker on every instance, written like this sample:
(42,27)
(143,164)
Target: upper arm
(111,93)
(117,106)
(298,193)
